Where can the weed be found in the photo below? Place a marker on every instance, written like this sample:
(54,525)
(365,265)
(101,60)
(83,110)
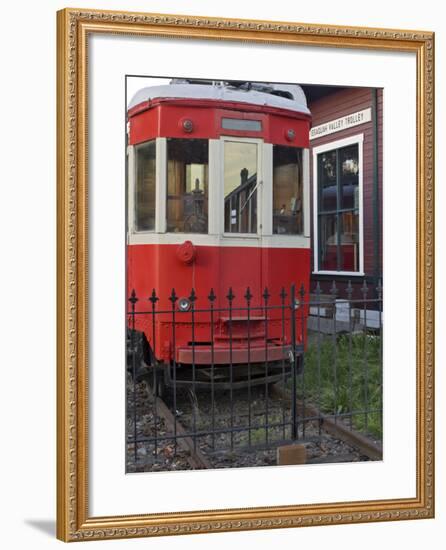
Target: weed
(343,375)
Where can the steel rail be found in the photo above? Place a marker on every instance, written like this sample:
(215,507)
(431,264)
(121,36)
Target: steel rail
(365,445)
(194,456)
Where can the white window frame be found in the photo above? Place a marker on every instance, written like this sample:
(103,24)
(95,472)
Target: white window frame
(216,235)
(160,188)
(259,142)
(296,240)
(171,237)
(357,139)
(130,191)
(161,185)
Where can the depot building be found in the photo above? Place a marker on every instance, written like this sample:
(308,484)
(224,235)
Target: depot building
(345,185)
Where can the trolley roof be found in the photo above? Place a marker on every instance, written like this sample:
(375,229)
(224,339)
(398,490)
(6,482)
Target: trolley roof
(283,96)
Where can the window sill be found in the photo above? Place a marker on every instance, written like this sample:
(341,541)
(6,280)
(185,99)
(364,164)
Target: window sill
(241,235)
(340,273)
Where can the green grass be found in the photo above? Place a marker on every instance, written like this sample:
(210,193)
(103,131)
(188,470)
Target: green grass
(342,375)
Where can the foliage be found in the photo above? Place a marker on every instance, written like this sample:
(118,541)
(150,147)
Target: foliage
(343,375)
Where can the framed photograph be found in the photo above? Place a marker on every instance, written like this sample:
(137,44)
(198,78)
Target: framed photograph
(245,274)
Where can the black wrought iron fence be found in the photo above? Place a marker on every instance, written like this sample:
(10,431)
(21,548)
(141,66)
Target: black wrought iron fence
(212,374)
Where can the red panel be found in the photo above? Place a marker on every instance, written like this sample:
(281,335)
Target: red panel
(144,126)
(203,355)
(165,120)
(158,267)
(240,268)
(279,125)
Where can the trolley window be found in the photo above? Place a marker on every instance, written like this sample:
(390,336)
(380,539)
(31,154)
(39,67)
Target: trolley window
(240,181)
(187,185)
(145,162)
(287,190)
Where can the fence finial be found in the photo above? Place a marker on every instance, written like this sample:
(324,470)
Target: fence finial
(153,298)
(212,297)
(349,290)
(379,290)
(364,289)
(173,297)
(133,298)
(230,296)
(248,295)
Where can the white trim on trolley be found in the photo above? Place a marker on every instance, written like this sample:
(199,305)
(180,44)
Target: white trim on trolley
(266,191)
(306,191)
(131,190)
(264,238)
(200,239)
(161,185)
(214,186)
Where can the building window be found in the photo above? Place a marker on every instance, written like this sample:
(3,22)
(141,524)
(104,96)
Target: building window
(287,190)
(338,209)
(187,185)
(145,185)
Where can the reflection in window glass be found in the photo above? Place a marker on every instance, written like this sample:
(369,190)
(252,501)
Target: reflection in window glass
(145,163)
(240,186)
(349,163)
(338,209)
(349,241)
(328,238)
(187,185)
(327,181)
(287,190)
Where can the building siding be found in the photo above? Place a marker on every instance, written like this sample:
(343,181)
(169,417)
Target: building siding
(331,107)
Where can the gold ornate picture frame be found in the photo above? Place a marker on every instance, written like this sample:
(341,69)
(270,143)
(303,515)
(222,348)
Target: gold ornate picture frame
(75,27)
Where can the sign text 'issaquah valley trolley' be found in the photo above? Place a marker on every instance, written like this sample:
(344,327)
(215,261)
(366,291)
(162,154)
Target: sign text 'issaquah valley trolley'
(218,219)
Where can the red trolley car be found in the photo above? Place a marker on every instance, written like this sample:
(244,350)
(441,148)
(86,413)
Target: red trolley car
(218,198)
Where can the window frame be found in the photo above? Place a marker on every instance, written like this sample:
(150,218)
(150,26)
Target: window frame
(216,235)
(160,161)
(163,188)
(357,139)
(259,142)
(304,191)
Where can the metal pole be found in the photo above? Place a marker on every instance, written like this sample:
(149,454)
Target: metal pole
(173,298)
(153,299)
(133,299)
(294,433)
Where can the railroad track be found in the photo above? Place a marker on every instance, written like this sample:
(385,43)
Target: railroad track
(194,456)
(204,439)
(161,424)
(371,449)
